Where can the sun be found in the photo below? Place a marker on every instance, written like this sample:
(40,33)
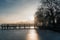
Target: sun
(31,18)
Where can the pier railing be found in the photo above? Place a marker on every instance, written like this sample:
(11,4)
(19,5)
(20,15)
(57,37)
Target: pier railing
(17,26)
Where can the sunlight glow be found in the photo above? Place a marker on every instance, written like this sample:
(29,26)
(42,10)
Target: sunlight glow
(31,18)
(32,27)
(32,35)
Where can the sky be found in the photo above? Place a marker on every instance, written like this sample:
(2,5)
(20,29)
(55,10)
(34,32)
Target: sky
(17,10)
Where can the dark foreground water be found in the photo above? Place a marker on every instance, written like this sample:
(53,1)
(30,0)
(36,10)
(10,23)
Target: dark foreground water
(30,34)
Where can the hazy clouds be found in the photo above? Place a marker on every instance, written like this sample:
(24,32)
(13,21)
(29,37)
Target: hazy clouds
(16,10)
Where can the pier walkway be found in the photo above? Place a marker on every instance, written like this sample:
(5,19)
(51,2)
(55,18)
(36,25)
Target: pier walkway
(16,27)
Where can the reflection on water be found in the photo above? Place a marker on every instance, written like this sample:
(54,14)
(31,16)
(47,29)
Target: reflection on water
(29,34)
(32,35)
(31,27)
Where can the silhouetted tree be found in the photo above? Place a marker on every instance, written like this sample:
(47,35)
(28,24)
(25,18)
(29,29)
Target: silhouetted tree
(48,11)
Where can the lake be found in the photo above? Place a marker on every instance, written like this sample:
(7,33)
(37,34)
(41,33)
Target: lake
(29,34)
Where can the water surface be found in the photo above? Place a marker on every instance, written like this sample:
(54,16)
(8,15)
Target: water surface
(29,34)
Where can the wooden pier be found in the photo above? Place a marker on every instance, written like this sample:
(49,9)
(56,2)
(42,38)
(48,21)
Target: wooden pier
(16,27)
